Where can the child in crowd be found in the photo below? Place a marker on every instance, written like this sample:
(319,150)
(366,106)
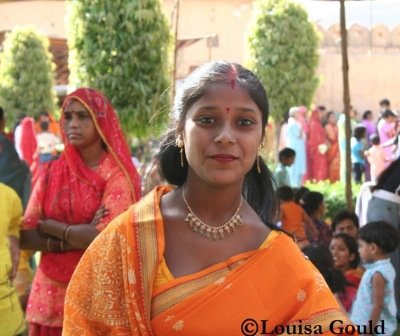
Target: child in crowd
(293,217)
(357,153)
(345,255)
(313,204)
(375,300)
(345,221)
(281,174)
(376,157)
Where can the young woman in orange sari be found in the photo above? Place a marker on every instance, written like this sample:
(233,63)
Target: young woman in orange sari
(76,196)
(202,258)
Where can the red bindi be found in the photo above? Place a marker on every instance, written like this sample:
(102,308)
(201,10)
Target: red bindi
(228,109)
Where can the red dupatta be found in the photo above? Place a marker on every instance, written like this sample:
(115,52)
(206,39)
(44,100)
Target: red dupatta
(69,191)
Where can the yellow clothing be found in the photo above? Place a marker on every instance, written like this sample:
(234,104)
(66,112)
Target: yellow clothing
(163,274)
(11,316)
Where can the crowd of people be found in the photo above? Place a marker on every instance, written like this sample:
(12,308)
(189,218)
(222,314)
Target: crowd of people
(319,143)
(127,250)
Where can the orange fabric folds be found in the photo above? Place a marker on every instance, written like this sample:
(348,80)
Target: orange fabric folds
(112,290)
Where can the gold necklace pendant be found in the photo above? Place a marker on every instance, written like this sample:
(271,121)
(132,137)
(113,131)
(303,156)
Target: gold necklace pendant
(213,232)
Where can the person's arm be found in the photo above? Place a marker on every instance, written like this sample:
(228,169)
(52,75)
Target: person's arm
(13,233)
(309,224)
(55,236)
(378,294)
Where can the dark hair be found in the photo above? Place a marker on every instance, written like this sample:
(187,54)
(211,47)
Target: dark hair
(322,108)
(393,168)
(258,187)
(384,101)
(366,114)
(285,193)
(311,201)
(342,215)
(44,125)
(388,113)
(1,113)
(321,257)
(299,193)
(286,153)
(351,245)
(375,140)
(44,113)
(381,233)
(359,132)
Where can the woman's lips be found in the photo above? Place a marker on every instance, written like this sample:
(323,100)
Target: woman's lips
(224,157)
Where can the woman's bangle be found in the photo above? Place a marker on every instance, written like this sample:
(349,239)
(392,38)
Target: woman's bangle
(48,243)
(66,232)
(62,245)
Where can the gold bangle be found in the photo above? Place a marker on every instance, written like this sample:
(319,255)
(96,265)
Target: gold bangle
(48,244)
(66,232)
(62,245)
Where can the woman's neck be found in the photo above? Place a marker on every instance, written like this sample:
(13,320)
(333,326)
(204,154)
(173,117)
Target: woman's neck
(212,204)
(92,155)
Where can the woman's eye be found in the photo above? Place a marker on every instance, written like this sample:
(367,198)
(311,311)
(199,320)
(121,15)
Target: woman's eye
(246,122)
(83,116)
(206,120)
(67,116)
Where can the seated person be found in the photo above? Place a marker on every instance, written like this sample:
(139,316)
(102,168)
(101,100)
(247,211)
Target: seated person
(345,221)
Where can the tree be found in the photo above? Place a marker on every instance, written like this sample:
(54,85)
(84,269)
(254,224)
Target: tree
(283,52)
(26,73)
(122,48)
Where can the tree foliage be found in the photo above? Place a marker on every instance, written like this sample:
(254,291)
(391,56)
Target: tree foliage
(26,73)
(121,48)
(283,52)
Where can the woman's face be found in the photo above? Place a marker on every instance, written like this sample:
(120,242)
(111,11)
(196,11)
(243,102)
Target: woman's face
(332,119)
(222,132)
(79,126)
(341,254)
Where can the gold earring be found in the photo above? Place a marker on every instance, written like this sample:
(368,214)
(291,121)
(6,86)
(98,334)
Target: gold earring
(258,158)
(180,145)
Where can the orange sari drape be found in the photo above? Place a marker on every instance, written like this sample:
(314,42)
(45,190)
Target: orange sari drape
(112,291)
(333,153)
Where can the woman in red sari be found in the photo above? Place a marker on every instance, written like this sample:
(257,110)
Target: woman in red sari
(317,163)
(75,197)
(333,153)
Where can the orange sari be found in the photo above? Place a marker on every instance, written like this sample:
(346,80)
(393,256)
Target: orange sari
(112,290)
(333,153)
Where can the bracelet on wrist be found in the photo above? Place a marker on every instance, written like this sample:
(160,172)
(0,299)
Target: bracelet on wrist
(66,232)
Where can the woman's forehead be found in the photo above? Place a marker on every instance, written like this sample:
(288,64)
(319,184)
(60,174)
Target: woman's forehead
(74,105)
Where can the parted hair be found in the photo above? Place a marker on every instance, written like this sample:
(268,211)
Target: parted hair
(258,187)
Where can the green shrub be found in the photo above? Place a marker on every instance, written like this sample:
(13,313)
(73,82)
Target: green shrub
(26,74)
(334,196)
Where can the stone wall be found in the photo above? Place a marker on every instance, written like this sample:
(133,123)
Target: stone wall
(374,67)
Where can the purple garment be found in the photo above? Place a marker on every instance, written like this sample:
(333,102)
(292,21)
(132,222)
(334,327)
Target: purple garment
(370,127)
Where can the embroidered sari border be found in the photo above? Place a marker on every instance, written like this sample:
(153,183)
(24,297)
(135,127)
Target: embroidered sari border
(169,298)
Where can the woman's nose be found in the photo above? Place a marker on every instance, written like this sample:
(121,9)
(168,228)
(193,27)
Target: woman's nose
(225,136)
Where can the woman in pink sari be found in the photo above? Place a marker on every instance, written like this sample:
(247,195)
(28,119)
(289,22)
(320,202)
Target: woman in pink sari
(317,159)
(333,154)
(75,197)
